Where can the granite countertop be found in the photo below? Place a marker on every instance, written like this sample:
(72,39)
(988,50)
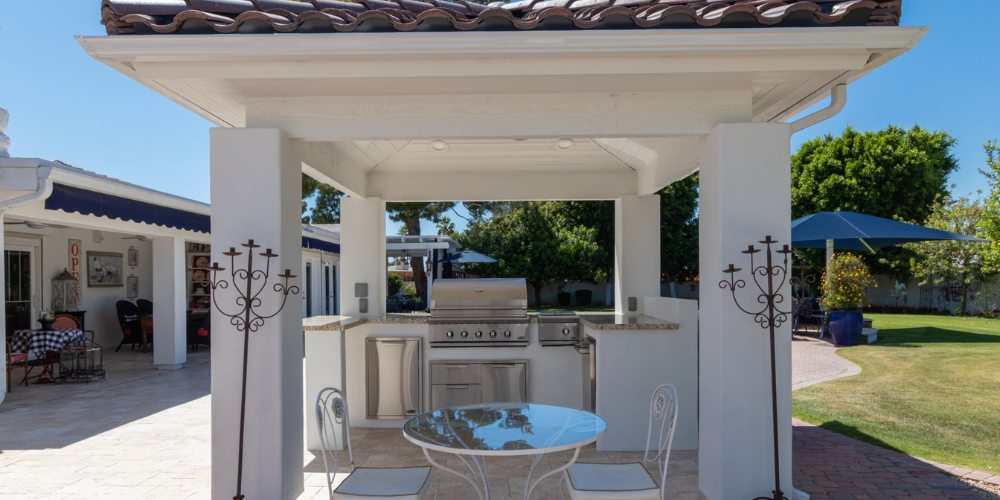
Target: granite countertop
(626,322)
(594,321)
(340,323)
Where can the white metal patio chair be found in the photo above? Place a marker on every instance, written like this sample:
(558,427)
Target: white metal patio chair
(630,481)
(363,483)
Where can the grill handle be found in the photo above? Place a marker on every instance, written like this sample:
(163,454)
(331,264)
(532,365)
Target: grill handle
(457,386)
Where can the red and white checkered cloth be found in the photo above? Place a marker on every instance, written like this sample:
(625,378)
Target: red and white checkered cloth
(42,341)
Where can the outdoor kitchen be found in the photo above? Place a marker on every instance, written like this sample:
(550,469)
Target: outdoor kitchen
(479,344)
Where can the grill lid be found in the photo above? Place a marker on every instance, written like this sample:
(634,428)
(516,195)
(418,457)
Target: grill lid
(480,298)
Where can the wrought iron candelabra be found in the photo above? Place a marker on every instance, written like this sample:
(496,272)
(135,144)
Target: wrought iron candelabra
(769,316)
(247,318)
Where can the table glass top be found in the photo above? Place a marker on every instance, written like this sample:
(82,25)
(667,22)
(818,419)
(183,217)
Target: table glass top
(504,427)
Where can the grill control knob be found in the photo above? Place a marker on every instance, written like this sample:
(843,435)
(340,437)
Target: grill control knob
(479,334)
(506,333)
(493,334)
(565,331)
(449,334)
(465,334)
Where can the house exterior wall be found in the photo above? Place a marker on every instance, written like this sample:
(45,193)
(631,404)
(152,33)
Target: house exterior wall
(99,302)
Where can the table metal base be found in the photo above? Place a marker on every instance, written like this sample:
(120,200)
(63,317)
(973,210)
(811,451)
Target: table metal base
(480,480)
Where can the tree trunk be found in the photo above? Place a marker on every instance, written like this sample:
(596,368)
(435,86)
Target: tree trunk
(417,262)
(965,294)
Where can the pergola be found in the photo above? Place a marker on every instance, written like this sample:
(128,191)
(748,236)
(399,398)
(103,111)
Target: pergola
(526,101)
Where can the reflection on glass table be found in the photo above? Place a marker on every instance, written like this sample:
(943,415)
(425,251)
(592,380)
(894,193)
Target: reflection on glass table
(503,429)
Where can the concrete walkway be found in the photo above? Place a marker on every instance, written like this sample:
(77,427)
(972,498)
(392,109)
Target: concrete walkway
(814,361)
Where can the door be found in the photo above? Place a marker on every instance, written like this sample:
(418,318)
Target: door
(307,291)
(393,377)
(21,274)
(505,383)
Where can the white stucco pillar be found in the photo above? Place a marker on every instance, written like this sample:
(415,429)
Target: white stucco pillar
(362,255)
(256,194)
(637,251)
(3,289)
(169,301)
(745,196)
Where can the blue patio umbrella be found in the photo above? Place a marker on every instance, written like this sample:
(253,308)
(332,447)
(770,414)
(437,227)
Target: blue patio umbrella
(854,231)
(468,257)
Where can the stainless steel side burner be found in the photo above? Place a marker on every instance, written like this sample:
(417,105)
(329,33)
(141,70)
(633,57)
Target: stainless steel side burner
(479,312)
(558,328)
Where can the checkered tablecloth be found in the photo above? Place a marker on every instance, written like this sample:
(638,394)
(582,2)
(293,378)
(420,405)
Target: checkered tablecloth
(42,341)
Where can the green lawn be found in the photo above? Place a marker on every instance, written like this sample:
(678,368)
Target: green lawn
(929,387)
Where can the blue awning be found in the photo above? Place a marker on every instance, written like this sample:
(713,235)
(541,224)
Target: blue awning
(318,244)
(83,201)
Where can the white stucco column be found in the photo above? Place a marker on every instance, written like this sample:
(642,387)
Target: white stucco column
(256,194)
(745,196)
(169,297)
(3,290)
(637,250)
(362,254)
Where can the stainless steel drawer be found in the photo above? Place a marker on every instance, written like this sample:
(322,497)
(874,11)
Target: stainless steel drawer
(505,382)
(456,373)
(455,394)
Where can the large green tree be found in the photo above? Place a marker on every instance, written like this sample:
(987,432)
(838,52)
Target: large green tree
(990,225)
(969,264)
(532,241)
(410,214)
(326,202)
(892,173)
(679,231)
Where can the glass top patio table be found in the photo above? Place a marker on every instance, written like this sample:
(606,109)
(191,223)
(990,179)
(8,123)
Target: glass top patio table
(504,429)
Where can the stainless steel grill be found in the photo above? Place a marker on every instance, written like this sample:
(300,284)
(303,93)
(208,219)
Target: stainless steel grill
(558,328)
(479,312)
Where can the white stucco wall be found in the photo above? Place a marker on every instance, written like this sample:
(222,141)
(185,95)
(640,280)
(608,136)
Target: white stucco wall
(99,302)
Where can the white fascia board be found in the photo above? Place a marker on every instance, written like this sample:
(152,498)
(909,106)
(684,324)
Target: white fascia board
(302,46)
(320,233)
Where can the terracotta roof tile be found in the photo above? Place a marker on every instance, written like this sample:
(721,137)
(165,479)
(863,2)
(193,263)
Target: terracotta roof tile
(128,17)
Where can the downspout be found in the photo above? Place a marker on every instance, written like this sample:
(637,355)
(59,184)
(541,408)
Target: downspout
(44,191)
(838,99)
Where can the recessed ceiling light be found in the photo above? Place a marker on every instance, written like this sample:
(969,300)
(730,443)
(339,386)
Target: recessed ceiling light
(439,145)
(36,225)
(565,143)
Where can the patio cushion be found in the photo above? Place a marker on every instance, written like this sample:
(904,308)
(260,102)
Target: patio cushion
(396,484)
(611,481)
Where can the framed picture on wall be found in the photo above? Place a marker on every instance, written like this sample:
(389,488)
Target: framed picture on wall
(104,269)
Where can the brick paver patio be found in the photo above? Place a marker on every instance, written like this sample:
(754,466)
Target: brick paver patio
(145,434)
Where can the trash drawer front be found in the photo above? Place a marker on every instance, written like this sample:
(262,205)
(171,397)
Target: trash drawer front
(443,395)
(443,372)
(505,382)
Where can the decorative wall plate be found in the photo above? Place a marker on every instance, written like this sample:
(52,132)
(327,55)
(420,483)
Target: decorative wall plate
(198,275)
(201,261)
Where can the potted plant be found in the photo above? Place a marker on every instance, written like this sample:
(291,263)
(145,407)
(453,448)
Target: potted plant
(584,297)
(844,294)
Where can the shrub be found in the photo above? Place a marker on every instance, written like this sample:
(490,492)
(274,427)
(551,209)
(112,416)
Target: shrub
(845,283)
(395,284)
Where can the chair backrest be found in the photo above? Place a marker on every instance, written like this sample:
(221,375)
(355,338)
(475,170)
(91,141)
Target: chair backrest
(128,318)
(662,414)
(145,307)
(331,412)
(66,322)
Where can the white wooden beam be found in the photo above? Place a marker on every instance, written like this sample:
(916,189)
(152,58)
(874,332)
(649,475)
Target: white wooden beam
(500,186)
(671,159)
(554,116)
(325,163)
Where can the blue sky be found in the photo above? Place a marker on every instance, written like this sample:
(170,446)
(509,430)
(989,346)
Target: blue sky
(66,106)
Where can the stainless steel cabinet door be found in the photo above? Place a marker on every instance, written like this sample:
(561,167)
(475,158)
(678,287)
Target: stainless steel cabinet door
(393,377)
(455,394)
(505,383)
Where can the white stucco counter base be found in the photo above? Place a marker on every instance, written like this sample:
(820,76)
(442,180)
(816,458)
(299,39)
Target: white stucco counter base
(635,354)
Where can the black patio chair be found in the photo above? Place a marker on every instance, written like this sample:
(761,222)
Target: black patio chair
(199,329)
(145,307)
(128,320)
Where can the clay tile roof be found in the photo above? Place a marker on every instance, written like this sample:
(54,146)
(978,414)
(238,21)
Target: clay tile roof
(131,17)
